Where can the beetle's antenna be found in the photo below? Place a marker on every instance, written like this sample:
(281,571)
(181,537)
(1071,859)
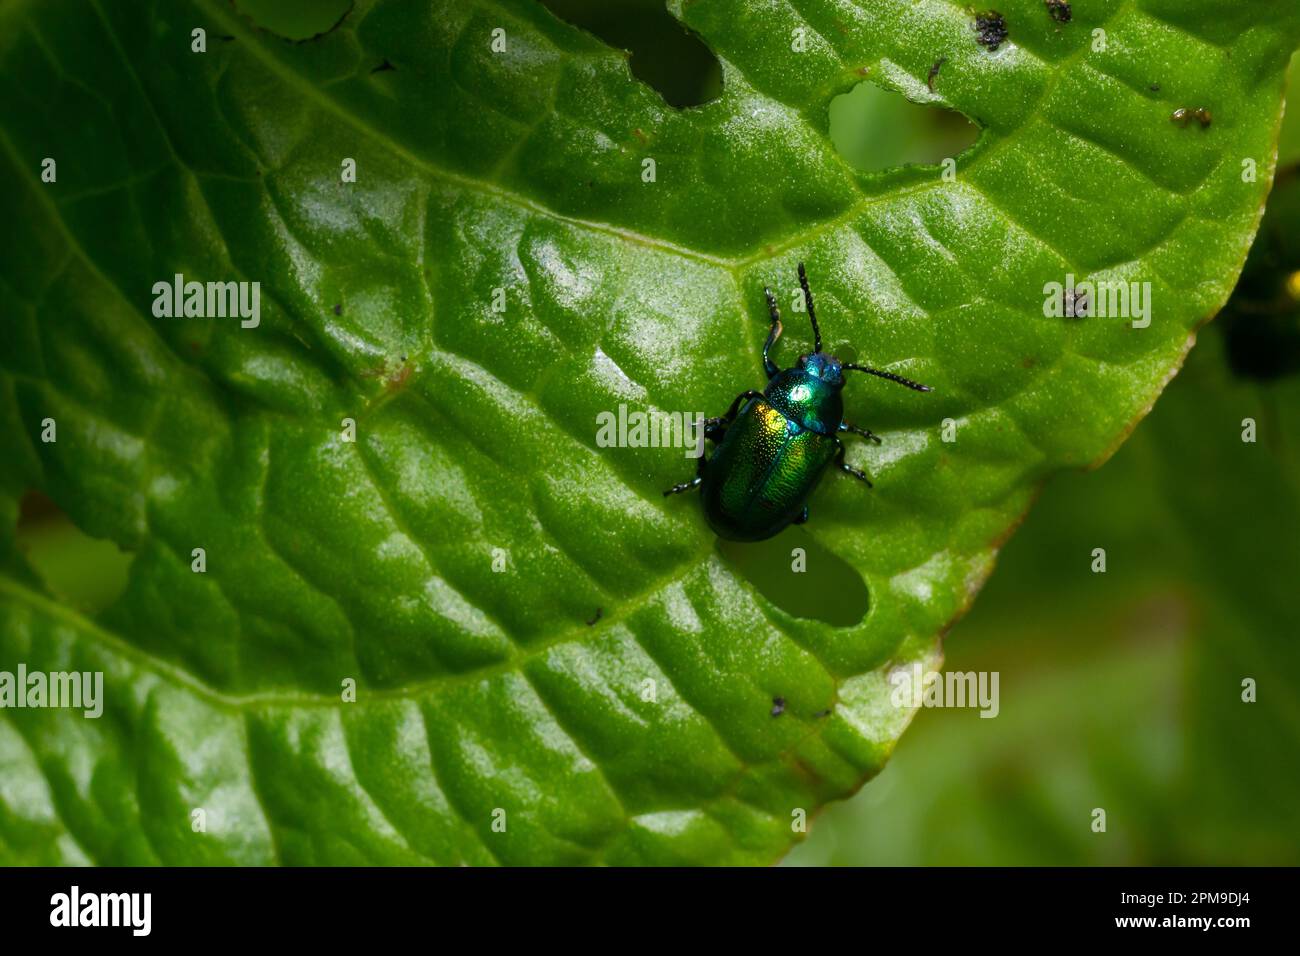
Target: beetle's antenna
(773,334)
(807,299)
(917,386)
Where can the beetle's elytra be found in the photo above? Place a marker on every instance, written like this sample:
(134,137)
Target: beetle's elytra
(772,447)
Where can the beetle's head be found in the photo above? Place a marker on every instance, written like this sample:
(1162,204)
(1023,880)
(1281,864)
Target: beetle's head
(823,366)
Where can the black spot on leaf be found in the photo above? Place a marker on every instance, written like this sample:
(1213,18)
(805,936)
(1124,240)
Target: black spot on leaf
(990,29)
(1060,11)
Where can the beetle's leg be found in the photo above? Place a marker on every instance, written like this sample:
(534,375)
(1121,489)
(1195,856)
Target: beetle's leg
(715,428)
(864,432)
(845,466)
(773,334)
(740,400)
(812,315)
(684,486)
(803,516)
(693,483)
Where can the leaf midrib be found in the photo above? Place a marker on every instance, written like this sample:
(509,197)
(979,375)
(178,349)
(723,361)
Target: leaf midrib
(515,663)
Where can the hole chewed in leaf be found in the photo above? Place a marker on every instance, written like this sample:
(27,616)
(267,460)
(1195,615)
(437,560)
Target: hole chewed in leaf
(86,573)
(664,55)
(827,588)
(875,129)
(296,20)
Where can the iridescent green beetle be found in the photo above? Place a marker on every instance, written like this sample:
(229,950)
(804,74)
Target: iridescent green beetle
(773,446)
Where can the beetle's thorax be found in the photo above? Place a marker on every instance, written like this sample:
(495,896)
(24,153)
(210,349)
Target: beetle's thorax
(809,395)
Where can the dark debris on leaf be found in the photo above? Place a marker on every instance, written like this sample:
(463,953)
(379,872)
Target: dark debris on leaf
(1060,10)
(599,613)
(934,72)
(1182,115)
(383,67)
(990,29)
(398,379)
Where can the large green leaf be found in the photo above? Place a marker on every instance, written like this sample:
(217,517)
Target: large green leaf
(522,170)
